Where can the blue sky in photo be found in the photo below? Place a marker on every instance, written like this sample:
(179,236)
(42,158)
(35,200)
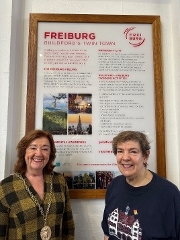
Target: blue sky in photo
(49,99)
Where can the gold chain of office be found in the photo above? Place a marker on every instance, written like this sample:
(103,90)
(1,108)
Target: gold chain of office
(45,231)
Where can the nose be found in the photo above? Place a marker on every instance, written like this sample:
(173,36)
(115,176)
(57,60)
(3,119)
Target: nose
(125,155)
(38,151)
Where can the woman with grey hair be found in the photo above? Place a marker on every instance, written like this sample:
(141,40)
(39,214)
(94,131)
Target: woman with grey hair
(139,204)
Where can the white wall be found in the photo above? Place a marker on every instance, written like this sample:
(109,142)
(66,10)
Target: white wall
(5,28)
(14,18)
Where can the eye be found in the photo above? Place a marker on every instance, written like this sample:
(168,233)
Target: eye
(134,152)
(119,151)
(45,149)
(32,148)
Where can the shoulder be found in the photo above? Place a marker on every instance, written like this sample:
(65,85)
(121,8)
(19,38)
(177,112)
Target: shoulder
(59,178)
(59,183)
(164,185)
(58,175)
(115,188)
(166,192)
(117,180)
(115,184)
(7,180)
(8,188)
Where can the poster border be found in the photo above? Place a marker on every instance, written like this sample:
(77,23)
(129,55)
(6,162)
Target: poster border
(158,79)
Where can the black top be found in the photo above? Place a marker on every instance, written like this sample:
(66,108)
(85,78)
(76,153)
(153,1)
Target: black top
(147,212)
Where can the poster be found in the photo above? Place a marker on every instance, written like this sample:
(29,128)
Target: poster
(94,80)
(90,77)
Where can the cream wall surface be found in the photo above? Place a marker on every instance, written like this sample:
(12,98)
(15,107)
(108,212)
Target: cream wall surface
(5,28)
(14,20)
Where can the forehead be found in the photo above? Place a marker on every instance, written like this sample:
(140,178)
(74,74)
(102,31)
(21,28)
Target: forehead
(129,144)
(40,141)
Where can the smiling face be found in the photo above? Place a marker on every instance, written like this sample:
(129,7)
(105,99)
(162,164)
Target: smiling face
(37,154)
(130,160)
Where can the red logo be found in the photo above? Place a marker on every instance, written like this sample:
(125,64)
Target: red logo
(134,38)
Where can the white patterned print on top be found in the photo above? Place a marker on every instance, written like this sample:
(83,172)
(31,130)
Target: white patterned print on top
(122,225)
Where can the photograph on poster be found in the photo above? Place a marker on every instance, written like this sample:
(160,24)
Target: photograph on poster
(79,103)
(103,179)
(55,113)
(89,180)
(94,77)
(80,124)
(83,180)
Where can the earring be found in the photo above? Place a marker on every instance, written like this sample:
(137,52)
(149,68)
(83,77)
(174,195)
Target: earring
(145,164)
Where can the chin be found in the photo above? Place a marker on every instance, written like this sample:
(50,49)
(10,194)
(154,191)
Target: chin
(126,173)
(128,176)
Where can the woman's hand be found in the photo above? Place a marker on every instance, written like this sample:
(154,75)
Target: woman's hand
(106,237)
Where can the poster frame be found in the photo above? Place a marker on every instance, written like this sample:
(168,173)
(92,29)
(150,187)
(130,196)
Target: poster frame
(35,18)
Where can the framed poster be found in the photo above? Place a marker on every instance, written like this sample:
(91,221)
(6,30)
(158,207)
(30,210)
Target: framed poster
(90,77)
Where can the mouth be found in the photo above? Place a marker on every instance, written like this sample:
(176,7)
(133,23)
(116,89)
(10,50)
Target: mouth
(37,159)
(127,166)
